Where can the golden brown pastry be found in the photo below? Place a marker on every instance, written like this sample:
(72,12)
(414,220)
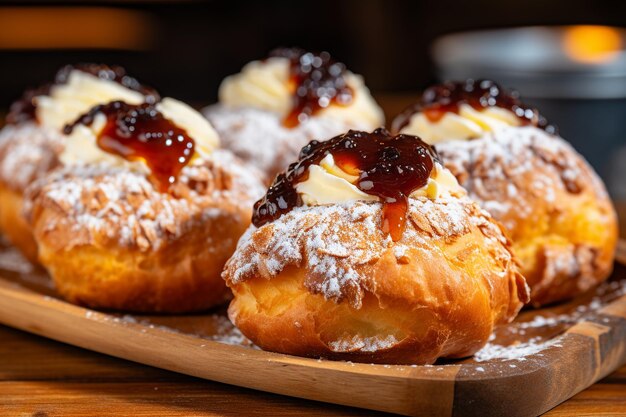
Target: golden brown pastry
(274,107)
(145,211)
(32,141)
(553,205)
(367,249)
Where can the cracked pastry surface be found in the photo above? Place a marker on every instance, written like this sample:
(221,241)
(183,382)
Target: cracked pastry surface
(328,280)
(32,141)
(553,205)
(141,189)
(110,239)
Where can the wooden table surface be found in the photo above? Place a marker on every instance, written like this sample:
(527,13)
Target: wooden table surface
(44,378)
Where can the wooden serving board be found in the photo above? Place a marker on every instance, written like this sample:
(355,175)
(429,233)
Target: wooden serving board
(543,358)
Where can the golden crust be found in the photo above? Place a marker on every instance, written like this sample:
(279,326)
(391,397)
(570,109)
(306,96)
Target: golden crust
(551,202)
(325,281)
(27,152)
(175,278)
(14,225)
(110,240)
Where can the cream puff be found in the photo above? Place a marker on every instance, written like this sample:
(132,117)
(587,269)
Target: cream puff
(145,210)
(32,141)
(513,163)
(367,249)
(274,107)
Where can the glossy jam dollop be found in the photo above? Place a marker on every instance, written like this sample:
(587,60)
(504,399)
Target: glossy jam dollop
(142,133)
(444,98)
(25,108)
(318,82)
(389,167)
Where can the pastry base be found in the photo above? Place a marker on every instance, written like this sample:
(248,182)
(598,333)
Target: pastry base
(14,225)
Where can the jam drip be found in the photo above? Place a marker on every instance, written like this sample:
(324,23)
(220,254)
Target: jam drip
(142,133)
(318,81)
(389,167)
(25,108)
(444,98)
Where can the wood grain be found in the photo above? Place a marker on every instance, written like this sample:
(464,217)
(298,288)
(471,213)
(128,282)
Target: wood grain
(235,365)
(104,395)
(40,377)
(153,399)
(27,302)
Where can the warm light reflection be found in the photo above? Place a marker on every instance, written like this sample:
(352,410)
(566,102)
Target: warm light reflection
(74,27)
(592,44)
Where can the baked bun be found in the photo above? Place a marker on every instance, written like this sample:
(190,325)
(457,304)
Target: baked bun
(114,235)
(32,141)
(274,107)
(333,280)
(553,205)
(27,152)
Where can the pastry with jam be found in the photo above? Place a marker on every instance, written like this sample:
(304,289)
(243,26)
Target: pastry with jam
(144,210)
(32,140)
(367,249)
(514,164)
(275,106)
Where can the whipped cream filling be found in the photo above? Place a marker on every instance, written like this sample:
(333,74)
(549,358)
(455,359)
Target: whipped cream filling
(468,124)
(329,184)
(81,92)
(81,146)
(266,85)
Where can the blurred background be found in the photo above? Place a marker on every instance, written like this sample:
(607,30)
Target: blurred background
(566,56)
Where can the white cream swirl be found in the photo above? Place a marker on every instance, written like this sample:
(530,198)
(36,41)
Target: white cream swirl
(329,184)
(67,101)
(468,124)
(81,146)
(266,85)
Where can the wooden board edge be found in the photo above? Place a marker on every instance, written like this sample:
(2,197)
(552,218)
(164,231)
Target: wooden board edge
(397,389)
(402,390)
(595,348)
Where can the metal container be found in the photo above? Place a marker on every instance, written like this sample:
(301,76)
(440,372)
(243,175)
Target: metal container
(575,76)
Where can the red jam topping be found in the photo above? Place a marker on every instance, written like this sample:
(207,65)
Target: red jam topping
(318,82)
(25,108)
(389,167)
(480,94)
(142,133)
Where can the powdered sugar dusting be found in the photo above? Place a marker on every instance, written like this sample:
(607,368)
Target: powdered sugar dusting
(106,202)
(522,176)
(27,152)
(363,344)
(545,330)
(259,137)
(228,334)
(521,164)
(518,351)
(337,242)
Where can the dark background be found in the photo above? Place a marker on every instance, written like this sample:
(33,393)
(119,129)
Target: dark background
(187,47)
(195,44)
